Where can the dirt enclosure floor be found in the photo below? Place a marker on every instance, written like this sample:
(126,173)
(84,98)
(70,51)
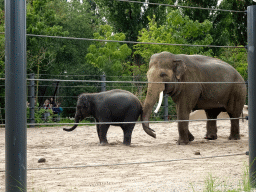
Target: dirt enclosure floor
(65,150)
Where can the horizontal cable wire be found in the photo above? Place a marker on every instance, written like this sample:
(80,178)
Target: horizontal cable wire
(71,75)
(70,86)
(181,6)
(134,163)
(136,82)
(130,42)
(133,122)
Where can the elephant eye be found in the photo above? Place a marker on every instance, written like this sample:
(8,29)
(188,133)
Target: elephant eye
(162,74)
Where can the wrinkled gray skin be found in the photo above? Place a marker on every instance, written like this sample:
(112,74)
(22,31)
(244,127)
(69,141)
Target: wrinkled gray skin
(213,98)
(110,106)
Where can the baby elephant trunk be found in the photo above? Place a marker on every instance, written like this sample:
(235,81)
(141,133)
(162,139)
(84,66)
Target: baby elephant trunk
(72,128)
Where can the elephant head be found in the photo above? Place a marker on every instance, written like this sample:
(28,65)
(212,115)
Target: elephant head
(83,110)
(163,67)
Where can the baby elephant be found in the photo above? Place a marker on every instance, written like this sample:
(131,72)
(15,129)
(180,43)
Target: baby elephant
(111,106)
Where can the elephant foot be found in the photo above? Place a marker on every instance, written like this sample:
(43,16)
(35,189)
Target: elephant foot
(191,137)
(234,137)
(211,137)
(127,144)
(182,142)
(103,143)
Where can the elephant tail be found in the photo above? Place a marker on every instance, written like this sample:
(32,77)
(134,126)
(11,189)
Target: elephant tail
(147,129)
(71,129)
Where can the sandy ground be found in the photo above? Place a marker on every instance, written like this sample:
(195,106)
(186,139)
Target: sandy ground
(66,150)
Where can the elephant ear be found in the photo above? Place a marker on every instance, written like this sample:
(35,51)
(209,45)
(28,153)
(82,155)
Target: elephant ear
(180,68)
(84,102)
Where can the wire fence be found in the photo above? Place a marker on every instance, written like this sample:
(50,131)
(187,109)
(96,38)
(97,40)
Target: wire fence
(167,112)
(133,42)
(133,163)
(181,6)
(98,84)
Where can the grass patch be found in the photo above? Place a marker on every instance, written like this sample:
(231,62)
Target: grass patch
(217,185)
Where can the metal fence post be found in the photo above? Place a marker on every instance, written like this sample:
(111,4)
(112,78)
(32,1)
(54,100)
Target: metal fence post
(32,99)
(15,96)
(251,32)
(166,107)
(103,83)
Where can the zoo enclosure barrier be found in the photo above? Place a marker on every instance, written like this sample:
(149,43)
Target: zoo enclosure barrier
(100,84)
(8,29)
(102,87)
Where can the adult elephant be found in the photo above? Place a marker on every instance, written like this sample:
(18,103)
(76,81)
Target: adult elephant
(212,97)
(110,106)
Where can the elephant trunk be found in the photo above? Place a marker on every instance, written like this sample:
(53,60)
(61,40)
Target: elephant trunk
(75,126)
(148,130)
(152,95)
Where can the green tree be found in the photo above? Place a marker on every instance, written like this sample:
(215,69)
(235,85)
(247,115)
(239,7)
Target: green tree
(2,4)
(53,56)
(237,58)
(80,22)
(130,18)
(236,22)
(177,30)
(199,15)
(42,19)
(109,57)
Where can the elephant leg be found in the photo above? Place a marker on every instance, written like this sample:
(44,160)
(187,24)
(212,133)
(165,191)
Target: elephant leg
(190,136)
(184,134)
(102,133)
(127,129)
(234,132)
(211,126)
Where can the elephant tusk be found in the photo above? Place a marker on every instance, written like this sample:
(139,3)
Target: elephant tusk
(159,102)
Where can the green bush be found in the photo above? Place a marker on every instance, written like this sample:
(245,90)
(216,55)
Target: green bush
(39,115)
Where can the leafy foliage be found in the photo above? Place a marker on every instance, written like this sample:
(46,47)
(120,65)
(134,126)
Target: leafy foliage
(238,59)
(43,19)
(198,14)
(176,30)
(130,18)
(237,26)
(109,57)
(39,113)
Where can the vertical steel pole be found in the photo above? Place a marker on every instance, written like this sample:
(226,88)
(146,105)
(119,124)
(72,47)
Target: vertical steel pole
(15,96)
(166,107)
(103,84)
(251,32)
(32,99)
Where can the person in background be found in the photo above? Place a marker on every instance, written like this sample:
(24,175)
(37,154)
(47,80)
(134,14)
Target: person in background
(57,110)
(52,103)
(46,104)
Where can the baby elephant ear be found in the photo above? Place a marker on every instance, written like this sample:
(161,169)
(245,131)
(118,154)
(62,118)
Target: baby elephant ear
(84,101)
(180,68)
